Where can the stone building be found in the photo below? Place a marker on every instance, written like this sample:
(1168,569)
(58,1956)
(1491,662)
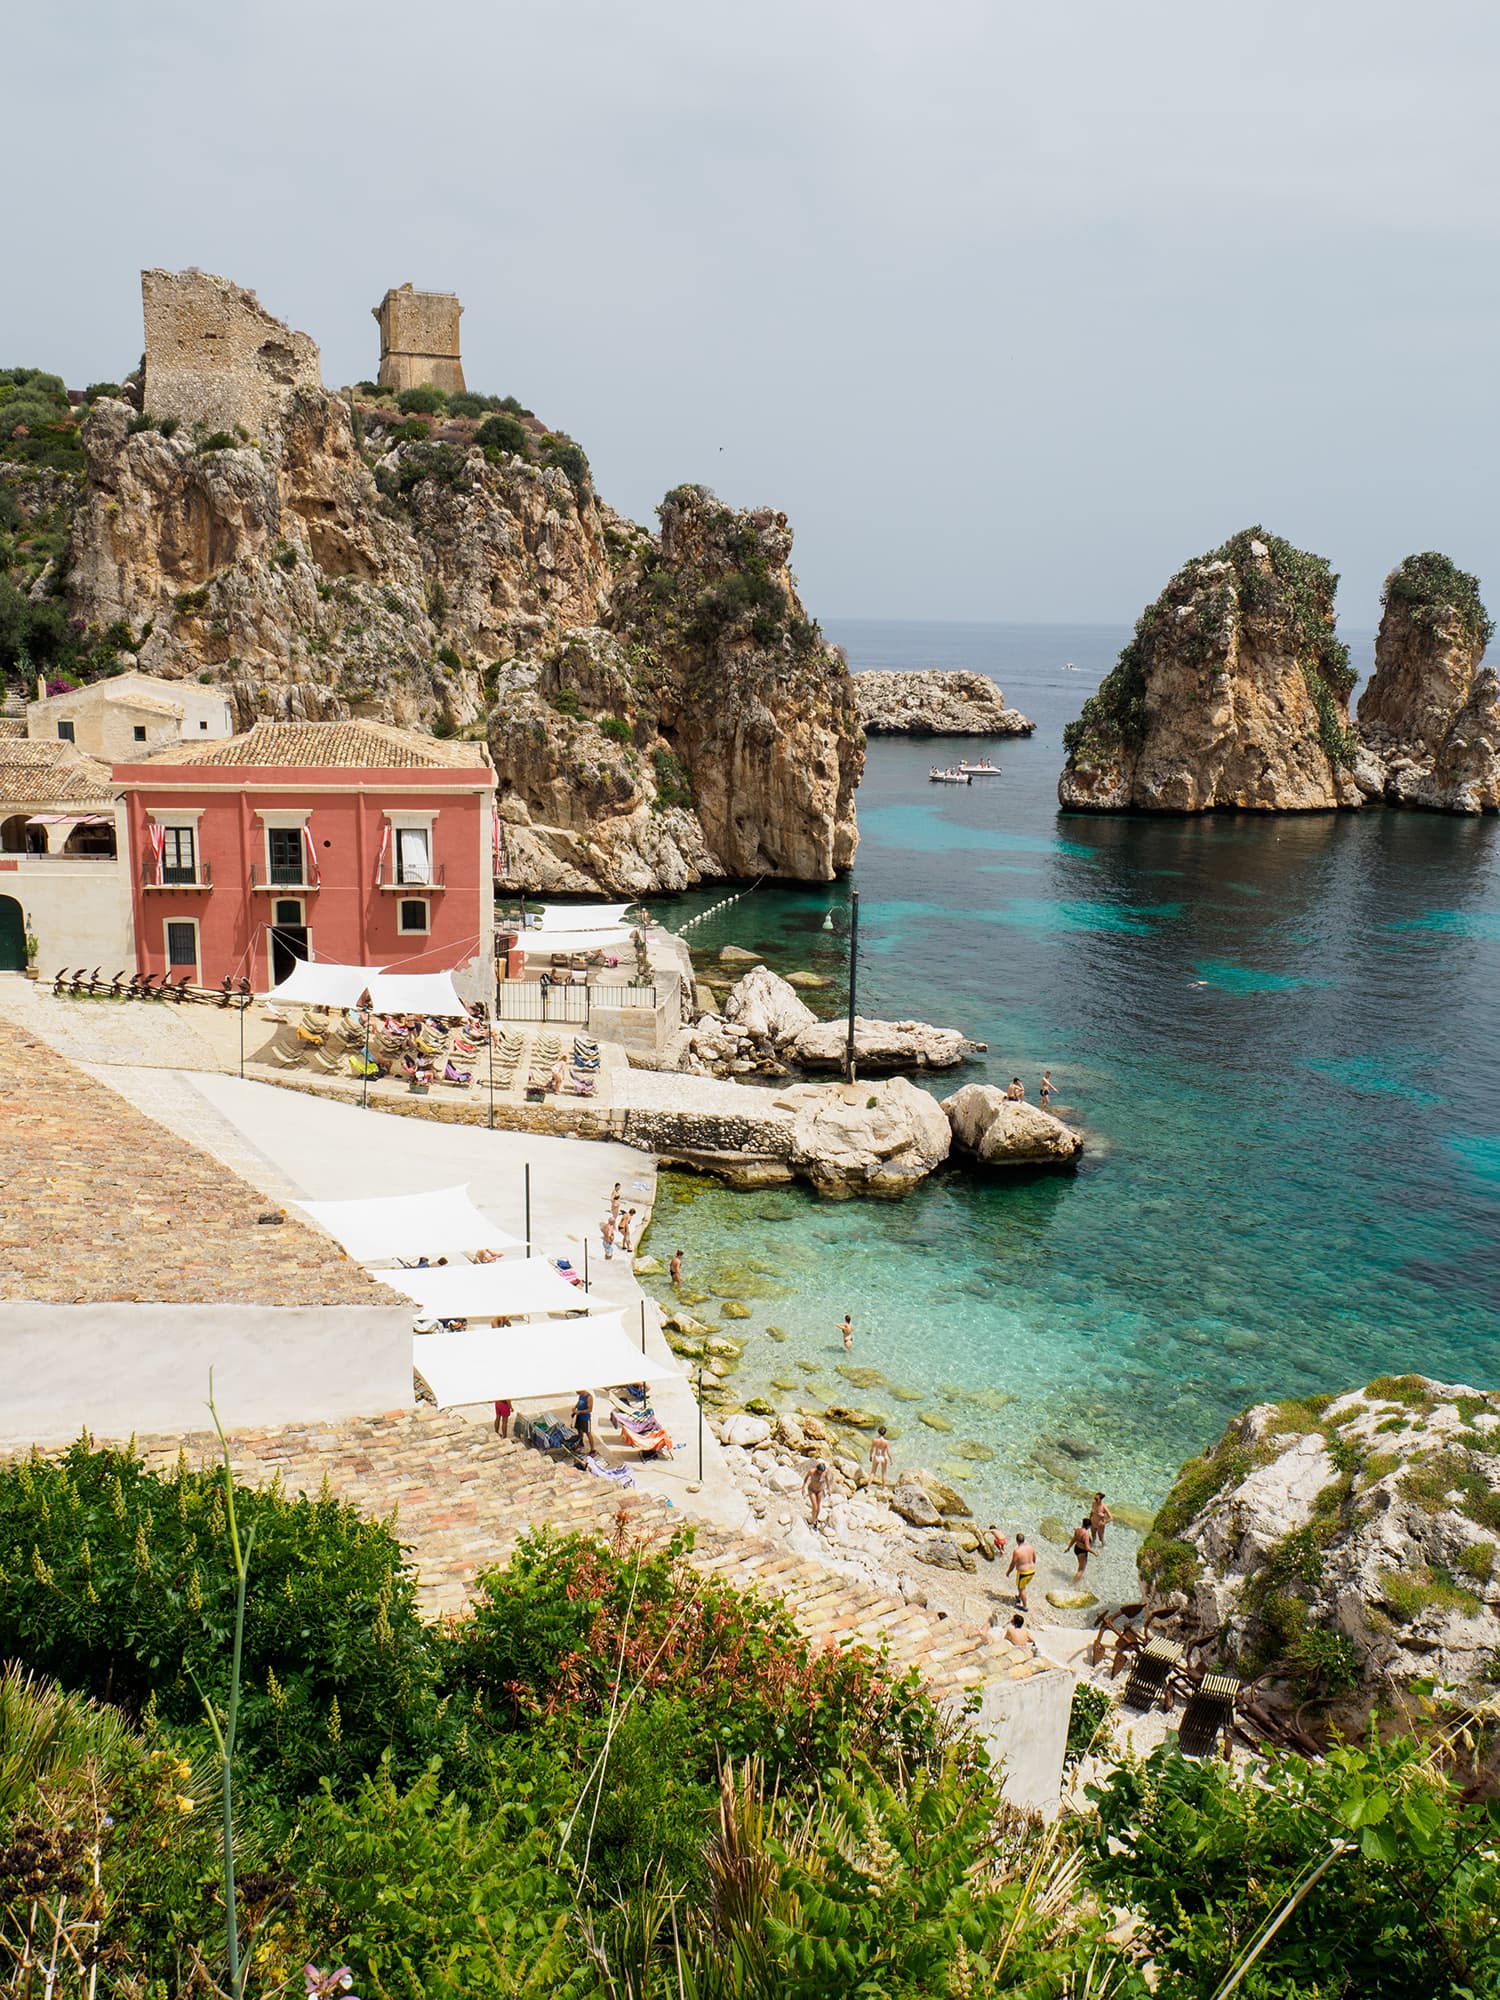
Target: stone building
(215,358)
(419,339)
(130,715)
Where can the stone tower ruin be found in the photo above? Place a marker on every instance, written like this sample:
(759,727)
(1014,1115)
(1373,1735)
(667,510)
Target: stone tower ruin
(419,340)
(215,358)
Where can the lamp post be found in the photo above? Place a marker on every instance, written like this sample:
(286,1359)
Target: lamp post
(364,1074)
(643,1326)
(526,1170)
(700,1423)
(243,1004)
(853,976)
(585,1263)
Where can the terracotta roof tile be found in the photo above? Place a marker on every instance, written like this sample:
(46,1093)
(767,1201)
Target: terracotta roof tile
(12,726)
(42,774)
(345,745)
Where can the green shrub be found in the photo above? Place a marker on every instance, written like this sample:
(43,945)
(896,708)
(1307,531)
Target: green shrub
(504,432)
(673,785)
(219,441)
(118,1583)
(561,451)
(449,659)
(33,631)
(412,431)
(1478,1561)
(566,702)
(615,727)
(188,603)
(426,400)
(285,556)
(1089,1729)
(1413,1390)
(1432,586)
(97,389)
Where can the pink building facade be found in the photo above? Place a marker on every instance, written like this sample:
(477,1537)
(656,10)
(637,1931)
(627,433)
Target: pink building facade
(351,842)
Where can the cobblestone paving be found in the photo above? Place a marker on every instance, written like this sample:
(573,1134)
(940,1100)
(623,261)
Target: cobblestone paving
(98,1202)
(463,1498)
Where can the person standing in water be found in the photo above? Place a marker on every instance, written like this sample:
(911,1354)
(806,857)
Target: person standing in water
(846,1331)
(1022,1567)
(1082,1547)
(880,1457)
(1099,1519)
(674,1269)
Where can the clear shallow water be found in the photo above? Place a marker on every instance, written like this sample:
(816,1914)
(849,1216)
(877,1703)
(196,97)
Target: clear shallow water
(1279,1038)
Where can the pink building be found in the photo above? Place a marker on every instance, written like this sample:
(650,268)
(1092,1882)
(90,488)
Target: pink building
(349,841)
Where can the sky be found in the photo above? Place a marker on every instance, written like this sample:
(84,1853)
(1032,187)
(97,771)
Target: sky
(1011,308)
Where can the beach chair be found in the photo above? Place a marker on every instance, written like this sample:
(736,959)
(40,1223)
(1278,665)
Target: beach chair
(1129,1629)
(1208,1715)
(1150,1674)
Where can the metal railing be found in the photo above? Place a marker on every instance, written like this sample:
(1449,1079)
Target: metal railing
(518,1000)
(278,878)
(176,878)
(390,878)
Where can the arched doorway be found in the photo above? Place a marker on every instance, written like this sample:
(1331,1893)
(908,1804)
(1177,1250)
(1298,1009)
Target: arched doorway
(12,935)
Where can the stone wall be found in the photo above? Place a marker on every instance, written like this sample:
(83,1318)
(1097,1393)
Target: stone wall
(215,358)
(419,339)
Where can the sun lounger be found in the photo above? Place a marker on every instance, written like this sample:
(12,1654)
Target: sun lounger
(1208,1715)
(1149,1674)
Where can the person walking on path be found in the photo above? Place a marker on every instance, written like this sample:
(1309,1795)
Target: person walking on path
(846,1331)
(1099,1519)
(623,1228)
(614,1199)
(1046,1089)
(815,1485)
(674,1269)
(880,1457)
(502,1417)
(1082,1546)
(583,1418)
(607,1232)
(1022,1567)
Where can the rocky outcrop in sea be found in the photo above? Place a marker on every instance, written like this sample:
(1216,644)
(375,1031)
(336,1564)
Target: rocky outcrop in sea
(1349,1546)
(998,1131)
(934,702)
(1233,692)
(1429,720)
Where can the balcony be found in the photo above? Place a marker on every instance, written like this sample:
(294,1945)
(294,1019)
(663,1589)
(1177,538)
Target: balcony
(390,883)
(176,880)
(279,882)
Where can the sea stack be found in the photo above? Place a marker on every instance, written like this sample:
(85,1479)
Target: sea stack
(1429,721)
(1233,693)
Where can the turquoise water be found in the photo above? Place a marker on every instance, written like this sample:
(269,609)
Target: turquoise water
(1279,1038)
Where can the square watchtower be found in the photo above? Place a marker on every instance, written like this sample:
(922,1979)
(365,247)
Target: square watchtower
(419,339)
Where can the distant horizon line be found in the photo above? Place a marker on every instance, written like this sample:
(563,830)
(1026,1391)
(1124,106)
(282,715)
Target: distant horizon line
(1025,624)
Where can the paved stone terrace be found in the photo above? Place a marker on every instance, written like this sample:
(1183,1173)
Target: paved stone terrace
(98,1202)
(463,1498)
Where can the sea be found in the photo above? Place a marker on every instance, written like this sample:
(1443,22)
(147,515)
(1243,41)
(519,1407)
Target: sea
(1280,1037)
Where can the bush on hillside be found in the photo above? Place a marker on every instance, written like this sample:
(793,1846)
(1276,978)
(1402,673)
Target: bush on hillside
(426,400)
(503,431)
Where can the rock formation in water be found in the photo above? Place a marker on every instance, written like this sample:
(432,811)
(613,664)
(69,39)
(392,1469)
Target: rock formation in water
(766,1026)
(998,1131)
(661,709)
(1349,1545)
(866,1138)
(933,702)
(1429,720)
(1233,693)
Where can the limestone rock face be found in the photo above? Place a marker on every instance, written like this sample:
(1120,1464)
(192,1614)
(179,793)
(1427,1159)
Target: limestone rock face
(1426,722)
(1233,693)
(875,1138)
(931,702)
(999,1132)
(1379,1526)
(881,1045)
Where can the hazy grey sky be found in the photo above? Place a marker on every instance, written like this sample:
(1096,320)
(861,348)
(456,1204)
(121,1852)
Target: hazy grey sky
(1011,307)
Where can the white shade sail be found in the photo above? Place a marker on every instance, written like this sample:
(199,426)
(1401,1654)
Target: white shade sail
(522,1362)
(507,1290)
(315,982)
(415,993)
(442,1223)
(582,916)
(541,944)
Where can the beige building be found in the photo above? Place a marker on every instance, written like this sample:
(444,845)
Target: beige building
(419,340)
(62,859)
(130,716)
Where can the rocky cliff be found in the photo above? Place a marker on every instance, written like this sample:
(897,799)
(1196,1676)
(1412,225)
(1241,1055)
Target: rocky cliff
(660,706)
(1233,693)
(1429,721)
(932,702)
(1350,1546)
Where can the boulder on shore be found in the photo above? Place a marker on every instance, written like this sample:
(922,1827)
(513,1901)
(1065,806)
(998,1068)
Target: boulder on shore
(1001,1132)
(865,1138)
(882,1045)
(933,702)
(766,1006)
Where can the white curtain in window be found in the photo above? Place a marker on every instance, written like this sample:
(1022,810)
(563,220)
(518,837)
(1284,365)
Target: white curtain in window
(412,858)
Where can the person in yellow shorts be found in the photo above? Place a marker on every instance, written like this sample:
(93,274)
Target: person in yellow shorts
(1022,1567)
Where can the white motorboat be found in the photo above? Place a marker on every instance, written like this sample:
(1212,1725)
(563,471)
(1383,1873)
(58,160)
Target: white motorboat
(983,769)
(937,777)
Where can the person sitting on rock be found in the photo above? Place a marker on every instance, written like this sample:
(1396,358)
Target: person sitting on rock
(1016,1634)
(1017,1092)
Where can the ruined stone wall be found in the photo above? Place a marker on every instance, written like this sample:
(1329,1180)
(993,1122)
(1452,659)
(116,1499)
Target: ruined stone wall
(419,339)
(215,357)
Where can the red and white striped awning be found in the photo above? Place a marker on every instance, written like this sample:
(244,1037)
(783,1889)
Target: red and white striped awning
(70,819)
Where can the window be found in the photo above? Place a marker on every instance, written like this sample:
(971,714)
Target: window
(203,725)
(414,855)
(179,854)
(65,732)
(412,914)
(139,732)
(284,852)
(288,912)
(182,948)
